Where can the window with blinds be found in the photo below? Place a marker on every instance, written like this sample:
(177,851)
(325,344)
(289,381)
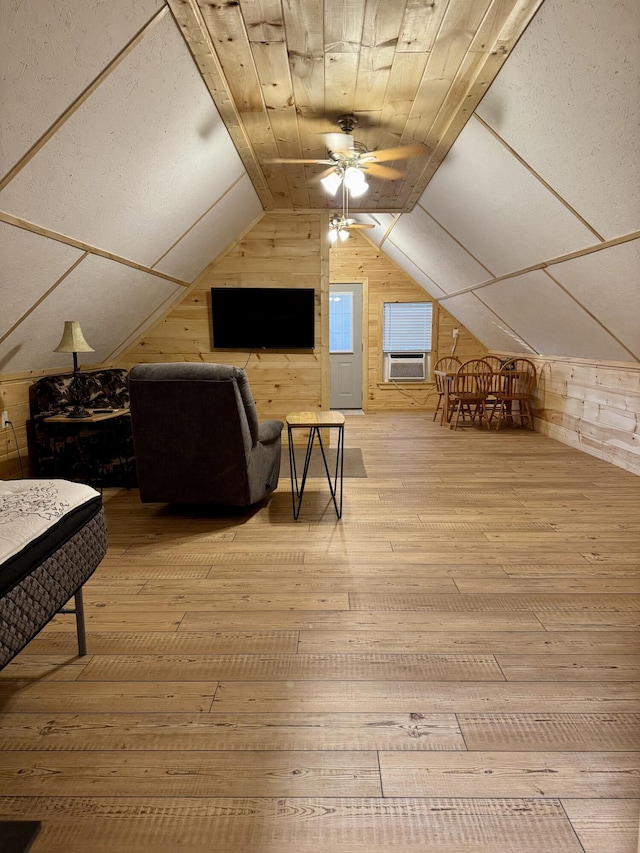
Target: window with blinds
(406,327)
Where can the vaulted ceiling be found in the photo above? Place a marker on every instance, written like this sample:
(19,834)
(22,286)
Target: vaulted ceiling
(137,142)
(412,71)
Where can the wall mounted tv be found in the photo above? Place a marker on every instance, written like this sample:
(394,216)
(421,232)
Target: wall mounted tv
(253,318)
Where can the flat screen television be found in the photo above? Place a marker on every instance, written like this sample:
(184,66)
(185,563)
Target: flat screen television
(253,318)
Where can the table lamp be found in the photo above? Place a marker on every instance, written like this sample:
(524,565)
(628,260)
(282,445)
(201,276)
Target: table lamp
(73,341)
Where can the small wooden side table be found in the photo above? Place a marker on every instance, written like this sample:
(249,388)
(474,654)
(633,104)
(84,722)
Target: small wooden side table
(61,428)
(94,416)
(314,422)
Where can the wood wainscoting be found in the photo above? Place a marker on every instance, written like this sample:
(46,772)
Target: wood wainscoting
(591,405)
(453,666)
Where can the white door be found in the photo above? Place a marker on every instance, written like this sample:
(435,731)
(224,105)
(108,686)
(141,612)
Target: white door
(345,345)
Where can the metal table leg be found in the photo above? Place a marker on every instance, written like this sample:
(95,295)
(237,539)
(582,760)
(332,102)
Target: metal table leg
(297,490)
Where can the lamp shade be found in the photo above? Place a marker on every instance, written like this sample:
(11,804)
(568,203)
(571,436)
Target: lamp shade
(355,182)
(358,190)
(331,182)
(72,339)
(353,177)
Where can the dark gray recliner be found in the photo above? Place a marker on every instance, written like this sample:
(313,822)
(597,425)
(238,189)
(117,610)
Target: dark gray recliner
(197,436)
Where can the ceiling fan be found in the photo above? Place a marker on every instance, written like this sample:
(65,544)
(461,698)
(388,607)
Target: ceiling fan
(350,161)
(340,225)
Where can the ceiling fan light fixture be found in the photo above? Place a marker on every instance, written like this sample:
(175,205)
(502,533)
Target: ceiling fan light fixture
(358,190)
(354,180)
(338,229)
(332,182)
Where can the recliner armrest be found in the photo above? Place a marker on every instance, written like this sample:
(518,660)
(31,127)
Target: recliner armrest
(269,431)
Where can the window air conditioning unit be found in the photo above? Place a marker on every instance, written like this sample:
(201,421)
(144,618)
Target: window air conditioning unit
(405,366)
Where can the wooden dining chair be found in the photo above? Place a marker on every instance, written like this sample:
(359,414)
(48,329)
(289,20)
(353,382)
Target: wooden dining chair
(469,391)
(494,389)
(518,382)
(448,364)
(494,361)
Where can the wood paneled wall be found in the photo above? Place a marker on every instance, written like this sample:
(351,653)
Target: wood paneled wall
(14,398)
(359,260)
(282,249)
(593,406)
(287,249)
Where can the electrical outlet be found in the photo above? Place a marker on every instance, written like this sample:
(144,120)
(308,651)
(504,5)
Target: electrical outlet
(5,419)
(456,333)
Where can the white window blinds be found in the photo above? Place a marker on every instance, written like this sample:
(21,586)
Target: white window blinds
(407,327)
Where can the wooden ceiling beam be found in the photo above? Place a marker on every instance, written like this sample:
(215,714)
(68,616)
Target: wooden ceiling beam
(502,26)
(281,71)
(189,19)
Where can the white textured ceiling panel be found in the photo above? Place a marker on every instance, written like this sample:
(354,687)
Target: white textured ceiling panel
(30,266)
(434,252)
(607,283)
(483,323)
(549,319)
(161,310)
(567,101)
(51,51)
(413,271)
(213,233)
(141,160)
(88,294)
(500,212)
(382,222)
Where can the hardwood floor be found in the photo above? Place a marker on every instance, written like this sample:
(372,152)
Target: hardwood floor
(453,666)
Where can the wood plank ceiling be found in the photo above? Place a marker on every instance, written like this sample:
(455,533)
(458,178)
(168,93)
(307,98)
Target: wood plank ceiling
(282,71)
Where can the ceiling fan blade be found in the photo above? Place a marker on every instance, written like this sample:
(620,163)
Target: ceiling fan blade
(315,179)
(355,223)
(402,152)
(377,170)
(338,142)
(289,160)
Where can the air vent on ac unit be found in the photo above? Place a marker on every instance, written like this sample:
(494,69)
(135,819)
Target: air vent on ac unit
(405,366)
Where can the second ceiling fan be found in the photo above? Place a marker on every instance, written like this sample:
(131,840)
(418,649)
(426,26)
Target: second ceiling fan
(350,161)
(348,164)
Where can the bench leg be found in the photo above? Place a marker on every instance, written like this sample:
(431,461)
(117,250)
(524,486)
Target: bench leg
(78,612)
(80,629)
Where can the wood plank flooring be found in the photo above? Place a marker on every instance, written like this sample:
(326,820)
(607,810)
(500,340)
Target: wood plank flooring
(453,666)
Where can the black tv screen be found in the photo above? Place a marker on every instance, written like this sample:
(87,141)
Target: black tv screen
(252,318)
